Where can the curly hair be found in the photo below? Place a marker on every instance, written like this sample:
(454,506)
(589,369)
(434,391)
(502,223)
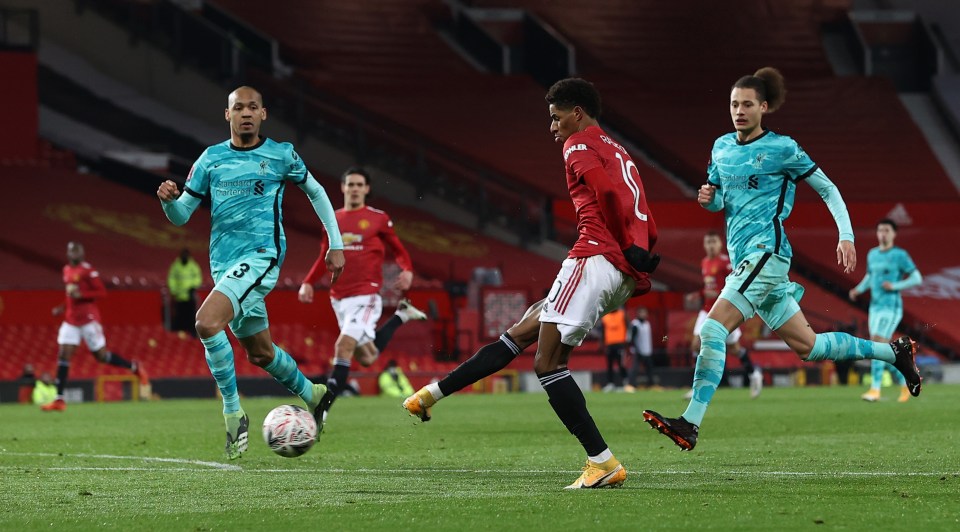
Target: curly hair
(572,92)
(769,84)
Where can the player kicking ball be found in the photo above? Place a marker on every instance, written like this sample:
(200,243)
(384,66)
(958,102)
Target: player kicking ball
(609,263)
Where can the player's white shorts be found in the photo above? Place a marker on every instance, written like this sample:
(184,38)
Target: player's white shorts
(585,289)
(91,334)
(732,338)
(358,316)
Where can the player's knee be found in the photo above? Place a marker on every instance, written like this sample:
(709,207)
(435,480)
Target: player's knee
(207,327)
(260,358)
(367,359)
(543,364)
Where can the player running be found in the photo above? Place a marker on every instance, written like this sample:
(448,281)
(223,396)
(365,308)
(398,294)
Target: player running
(608,264)
(752,177)
(367,233)
(245,178)
(715,267)
(889,270)
(81,321)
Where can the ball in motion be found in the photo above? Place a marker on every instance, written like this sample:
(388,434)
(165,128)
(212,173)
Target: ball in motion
(289,430)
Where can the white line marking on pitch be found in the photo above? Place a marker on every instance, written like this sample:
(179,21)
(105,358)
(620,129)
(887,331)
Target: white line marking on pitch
(214,465)
(207,466)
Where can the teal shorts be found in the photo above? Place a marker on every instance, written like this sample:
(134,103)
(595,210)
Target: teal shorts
(246,284)
(760,284)
(883,321)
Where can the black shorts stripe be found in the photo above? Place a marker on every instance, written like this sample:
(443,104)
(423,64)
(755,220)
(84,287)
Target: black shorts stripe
(753,275)
(273,263)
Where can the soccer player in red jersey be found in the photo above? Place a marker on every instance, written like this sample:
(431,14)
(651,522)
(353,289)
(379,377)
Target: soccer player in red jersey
(609,263)
(81,321)
(367,233)
(715,267)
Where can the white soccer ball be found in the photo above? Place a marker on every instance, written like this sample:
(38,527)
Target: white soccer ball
(289,430)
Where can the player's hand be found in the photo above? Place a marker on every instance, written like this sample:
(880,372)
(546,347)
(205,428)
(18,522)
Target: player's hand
(706,194)
(641,259)
(853,294)
(888,286)
(404,280)
(335,261)
(305,295)
(847,256)
(168,191)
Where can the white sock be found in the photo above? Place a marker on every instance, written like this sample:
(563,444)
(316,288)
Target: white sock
(602,457)
(434,389)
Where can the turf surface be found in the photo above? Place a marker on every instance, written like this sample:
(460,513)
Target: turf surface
(796,458)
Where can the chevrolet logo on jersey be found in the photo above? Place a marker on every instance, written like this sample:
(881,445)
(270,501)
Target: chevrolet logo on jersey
(352,241)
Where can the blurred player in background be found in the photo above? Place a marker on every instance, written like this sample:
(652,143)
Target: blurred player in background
(245,177)
(889,270)
(367,233)
(614,344)
(81,321)
(715,267)
(640,338)
(609,263)
(752,177)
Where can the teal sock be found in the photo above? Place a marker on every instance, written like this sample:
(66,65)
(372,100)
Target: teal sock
(219,356)
(876,374)
(842,346)
(897,376)
(709,370)
(284,369)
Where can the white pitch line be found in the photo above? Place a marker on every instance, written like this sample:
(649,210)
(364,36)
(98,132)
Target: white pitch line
(214,465)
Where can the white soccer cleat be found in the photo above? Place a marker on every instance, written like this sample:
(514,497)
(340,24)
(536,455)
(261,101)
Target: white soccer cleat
(407,311)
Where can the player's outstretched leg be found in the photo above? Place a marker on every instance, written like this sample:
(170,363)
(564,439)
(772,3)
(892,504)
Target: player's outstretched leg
(488,360)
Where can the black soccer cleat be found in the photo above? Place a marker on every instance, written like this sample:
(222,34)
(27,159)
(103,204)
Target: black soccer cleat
(904,348)
(681,431)
(320,413)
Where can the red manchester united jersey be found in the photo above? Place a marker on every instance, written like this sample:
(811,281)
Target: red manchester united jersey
(590,149)
(82,310)
(714,272)
(367,232)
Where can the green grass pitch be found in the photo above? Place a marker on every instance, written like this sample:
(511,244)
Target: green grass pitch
(796,458)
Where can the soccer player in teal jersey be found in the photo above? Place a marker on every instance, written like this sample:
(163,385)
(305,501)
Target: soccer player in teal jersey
(752,177)
(889,270)
(245,178)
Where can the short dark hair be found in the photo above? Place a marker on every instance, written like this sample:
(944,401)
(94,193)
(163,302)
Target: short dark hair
(888,221)
(356,170)
(572,92)
(713,232)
